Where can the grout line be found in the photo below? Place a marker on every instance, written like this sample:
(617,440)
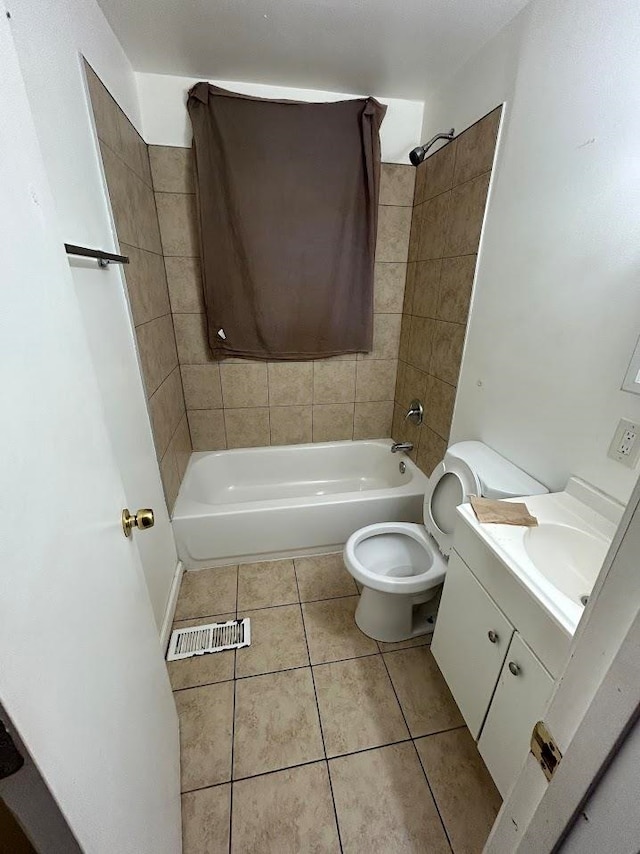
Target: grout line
(273,672)
(435,802)
(327,760)
(248,611)
(402,648)
(315,694)
(124,244)
(203,788)
(439,732)
(128,166)
(233,720)
(152,319)
(450,190)
(416,751)
(369,749)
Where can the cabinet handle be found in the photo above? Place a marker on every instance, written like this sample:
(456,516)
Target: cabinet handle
(514,668)
(493,636)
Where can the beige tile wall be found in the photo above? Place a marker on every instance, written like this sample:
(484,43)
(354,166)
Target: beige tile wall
(450,196)
(240,403)
(128,173)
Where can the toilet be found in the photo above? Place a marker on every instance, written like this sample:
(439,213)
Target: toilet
(401,566)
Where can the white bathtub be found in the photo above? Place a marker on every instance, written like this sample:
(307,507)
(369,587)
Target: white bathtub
(264,503)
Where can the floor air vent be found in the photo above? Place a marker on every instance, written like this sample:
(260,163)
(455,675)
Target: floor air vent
(214,637)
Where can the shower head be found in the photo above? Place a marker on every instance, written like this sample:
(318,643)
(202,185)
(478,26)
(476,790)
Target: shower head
(418,154)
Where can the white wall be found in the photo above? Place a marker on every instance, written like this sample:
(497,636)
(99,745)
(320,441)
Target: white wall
(51,36)
(556,306)
(163,100)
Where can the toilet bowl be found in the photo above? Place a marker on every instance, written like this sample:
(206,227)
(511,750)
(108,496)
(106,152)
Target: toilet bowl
(401,566)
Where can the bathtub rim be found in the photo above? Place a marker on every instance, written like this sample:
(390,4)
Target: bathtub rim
(187,507)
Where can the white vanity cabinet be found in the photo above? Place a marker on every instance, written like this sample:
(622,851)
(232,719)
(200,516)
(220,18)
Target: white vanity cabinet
(470,642)
(498,652)
(520,699)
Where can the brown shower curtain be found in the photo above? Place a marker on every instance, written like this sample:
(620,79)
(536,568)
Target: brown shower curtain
(287,196)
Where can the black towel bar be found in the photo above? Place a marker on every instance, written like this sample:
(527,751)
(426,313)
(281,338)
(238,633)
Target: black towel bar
(103,258)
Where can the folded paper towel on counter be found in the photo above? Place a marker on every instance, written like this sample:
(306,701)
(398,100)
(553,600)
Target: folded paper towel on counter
(502,512)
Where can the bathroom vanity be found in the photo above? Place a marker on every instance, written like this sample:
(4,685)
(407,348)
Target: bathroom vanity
(512,599)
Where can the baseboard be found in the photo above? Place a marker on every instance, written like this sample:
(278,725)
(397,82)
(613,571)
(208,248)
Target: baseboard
(165,634)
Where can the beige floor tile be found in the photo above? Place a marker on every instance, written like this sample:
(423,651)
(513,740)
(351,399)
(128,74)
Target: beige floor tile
(261,585)
(331,630)
(288,812)
(206,726)
(424,696)
(384,804)
(277,642)
(205,820)
(202,669)
(323,577)
(423,640)
(207,591)
(276,723)
(464,791)
(358,707)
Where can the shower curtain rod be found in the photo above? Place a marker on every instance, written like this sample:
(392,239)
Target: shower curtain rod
(103,258)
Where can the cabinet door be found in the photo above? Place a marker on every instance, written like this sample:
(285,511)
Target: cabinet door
(520,700)
(470,642)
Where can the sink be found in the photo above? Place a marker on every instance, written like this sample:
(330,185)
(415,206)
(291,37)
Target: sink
(558,561)
(568,557)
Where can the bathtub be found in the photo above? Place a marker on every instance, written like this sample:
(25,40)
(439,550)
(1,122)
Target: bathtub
(265,503)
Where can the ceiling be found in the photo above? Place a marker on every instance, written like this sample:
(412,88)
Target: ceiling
(392,48)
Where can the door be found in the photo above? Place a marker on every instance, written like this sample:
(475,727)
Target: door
(594,705)
(53,73)
(81,673)
(470,642)
(520,699)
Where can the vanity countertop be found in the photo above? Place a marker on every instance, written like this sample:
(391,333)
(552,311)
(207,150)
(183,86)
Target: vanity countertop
(559,560)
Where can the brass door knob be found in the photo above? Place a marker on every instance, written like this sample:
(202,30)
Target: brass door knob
(142,520)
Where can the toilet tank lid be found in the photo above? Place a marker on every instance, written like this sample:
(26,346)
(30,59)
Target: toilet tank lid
(499,478)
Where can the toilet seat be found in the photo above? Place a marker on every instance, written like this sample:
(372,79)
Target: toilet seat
(402,565)
(395,557)
(451,483)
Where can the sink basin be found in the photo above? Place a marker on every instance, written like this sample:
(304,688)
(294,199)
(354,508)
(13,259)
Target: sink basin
(567,557)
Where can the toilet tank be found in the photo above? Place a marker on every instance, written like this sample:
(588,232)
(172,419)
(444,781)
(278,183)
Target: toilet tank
(498,477)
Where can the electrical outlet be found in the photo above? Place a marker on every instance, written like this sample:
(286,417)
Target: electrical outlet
(625,445)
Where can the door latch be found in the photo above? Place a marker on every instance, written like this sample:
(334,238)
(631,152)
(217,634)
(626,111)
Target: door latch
(545,749)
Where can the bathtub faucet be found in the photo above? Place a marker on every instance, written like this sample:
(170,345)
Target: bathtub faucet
(401,446)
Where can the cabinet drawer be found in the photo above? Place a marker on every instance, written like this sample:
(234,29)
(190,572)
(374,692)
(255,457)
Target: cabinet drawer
(470,642)
(520,700)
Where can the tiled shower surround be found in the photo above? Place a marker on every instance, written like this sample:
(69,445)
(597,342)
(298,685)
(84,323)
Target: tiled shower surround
(450,197)
(196,403)
(128,174)
(244,403)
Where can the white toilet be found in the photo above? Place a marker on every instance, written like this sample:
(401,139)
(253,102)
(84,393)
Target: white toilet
(402,565)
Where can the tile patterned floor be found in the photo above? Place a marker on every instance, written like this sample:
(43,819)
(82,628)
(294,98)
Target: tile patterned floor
(316,738)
